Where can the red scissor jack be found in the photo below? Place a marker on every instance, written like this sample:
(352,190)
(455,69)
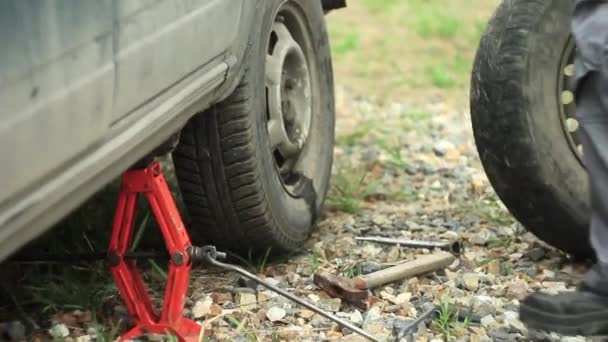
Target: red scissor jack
(151,182)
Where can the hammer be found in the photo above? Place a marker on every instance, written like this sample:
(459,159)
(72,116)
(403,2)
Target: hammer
(355,290)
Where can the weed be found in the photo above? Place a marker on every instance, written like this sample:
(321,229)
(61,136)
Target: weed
(394,152)
(159,270)
(253,263)
(440,77)
(503,241)
(171,338)
(103,334)
(140,232)
(434,24)
(352,271)
(462,66)
(448,321)
(380,6)
(261,262)
(479,28)
(349,43)
(240,325)
(349,190)
(490,210)
(506,268)
(71,288)
(315,263)
(417,114)
(403,195)
(354,137)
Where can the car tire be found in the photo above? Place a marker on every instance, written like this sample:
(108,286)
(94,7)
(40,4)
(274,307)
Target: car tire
(516,107)
(254,169)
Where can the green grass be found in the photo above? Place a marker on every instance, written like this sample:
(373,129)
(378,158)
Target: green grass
(478,29)
(380,6)
(440,77)
(61,288)
(447,320)
(349,190)
(352,271)
(348,43)
(393,151)
(490,210)
(506,268)
(412,49)
(106,334)
(417,114)
(503,241)
(241,325)
(437,24)
(255,263)
(315,263)
(462,66)
(353,138)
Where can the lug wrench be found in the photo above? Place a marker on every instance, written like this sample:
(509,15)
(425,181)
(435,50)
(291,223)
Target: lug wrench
(209,255)
(454,247)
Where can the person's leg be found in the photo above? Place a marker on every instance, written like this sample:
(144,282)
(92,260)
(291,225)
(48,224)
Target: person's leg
(592,104)
(585,312)
(590,30)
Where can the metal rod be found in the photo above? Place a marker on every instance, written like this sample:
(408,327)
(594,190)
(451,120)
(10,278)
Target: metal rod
(454,247)
(209,259)
(414,324)
(82,257)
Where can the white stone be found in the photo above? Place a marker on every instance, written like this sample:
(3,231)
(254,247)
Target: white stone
(470,281)
(246,300)
(518,326)
(380,219)
(202,307)
(403,298)
(275,314)
(442,147)
(488,321)
(548,274)
(573,339)
(356,317)
(313,297)
(371,316)
(59,331)
(481,238)
(510,316)
(450,235)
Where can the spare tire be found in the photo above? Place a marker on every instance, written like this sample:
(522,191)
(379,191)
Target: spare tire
(523,119)
(254,169)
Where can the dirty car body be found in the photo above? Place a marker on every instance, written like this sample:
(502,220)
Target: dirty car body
(88,88)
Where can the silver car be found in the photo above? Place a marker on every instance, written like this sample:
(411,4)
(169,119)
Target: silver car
(240,91)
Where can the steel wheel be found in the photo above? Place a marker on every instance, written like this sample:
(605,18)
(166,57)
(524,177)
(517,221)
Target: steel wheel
(567,105)
(289,100)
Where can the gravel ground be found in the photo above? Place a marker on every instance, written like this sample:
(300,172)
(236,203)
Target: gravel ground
(400,171)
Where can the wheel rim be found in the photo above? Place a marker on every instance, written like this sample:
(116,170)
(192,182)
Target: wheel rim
(288,100)
(565,96)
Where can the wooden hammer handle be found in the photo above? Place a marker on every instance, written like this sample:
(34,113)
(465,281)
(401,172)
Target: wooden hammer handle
(421,265)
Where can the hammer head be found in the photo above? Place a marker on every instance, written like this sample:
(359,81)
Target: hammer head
(339,287)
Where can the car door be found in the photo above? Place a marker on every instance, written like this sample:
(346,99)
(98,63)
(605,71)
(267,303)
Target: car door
(56,86)
(161,42)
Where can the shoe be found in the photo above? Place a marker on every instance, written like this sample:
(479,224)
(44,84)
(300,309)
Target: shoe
(583,312)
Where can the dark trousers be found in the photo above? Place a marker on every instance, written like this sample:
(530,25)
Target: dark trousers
(590,29)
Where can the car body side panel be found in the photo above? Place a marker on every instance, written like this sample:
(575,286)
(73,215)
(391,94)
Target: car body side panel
(160,42)
(163,103)
(56,86)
